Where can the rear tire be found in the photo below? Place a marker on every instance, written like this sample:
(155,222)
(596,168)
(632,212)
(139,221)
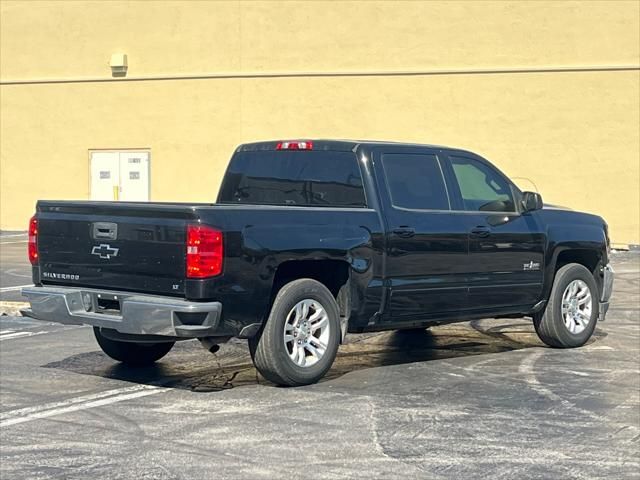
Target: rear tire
(130,353)
(571,314)
(299,341)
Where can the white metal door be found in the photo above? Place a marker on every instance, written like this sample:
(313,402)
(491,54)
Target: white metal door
(134,176)
(105,176)
(120,175)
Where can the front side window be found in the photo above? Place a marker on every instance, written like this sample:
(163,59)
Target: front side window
(296,178)
(415,181)
(482,187)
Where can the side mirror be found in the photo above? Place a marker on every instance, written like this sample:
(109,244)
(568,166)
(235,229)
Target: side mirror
(531,201)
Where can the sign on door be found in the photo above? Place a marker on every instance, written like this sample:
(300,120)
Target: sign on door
(120,175)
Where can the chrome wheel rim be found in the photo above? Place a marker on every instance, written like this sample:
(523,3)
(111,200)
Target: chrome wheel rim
(306,333)
(577,305)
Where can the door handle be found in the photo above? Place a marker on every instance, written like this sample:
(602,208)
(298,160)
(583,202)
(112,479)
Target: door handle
(480,231)
(404,232)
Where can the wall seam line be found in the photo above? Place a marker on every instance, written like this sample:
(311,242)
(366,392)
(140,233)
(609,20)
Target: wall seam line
(353,74)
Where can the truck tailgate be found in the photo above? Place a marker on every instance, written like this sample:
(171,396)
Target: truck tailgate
(120,246)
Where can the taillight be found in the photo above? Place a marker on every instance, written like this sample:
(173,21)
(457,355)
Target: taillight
(204,251)
(295,146)
(33,240)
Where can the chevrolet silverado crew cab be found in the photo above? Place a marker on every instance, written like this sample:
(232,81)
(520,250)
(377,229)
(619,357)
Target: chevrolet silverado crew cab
(310,240)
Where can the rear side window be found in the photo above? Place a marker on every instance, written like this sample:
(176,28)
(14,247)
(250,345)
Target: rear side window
(415,181)
(304,178)
(482,187)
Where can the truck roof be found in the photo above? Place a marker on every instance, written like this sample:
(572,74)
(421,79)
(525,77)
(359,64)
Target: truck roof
(334,145)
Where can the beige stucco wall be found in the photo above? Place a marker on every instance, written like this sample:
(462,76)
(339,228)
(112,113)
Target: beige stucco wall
(574,134)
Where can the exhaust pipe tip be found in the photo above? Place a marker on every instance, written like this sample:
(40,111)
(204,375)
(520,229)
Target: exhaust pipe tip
(212,344)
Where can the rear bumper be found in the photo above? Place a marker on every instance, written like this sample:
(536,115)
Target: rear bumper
(137,315)
(607,289)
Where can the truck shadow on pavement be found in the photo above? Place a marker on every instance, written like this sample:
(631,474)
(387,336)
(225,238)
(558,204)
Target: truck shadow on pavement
(189,366)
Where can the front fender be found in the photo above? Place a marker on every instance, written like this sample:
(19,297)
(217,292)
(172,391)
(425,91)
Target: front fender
(573,237)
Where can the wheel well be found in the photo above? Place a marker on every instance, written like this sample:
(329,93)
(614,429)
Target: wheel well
(588,258)
(333,274)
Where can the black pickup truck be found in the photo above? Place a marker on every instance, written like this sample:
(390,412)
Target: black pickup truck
(310,240)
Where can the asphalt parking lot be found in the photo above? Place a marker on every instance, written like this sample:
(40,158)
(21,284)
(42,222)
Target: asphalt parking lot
(15,270)
(472,400)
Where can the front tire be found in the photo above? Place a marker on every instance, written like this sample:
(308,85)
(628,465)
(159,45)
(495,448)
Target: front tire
(130,353)
(299,341)
(571,314)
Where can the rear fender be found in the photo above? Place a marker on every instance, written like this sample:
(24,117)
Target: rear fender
(351,244)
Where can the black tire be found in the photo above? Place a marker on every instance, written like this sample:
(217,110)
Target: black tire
(268,350)
(130,353)
(550,325)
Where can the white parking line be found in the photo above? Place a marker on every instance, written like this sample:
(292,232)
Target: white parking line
(11,235)
(9,336)
(71,401)
(85,402)
(12,242)
(14,272)
(12,289)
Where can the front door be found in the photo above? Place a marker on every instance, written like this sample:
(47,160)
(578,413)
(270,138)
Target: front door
(506,247)
(426,241)
(120,175)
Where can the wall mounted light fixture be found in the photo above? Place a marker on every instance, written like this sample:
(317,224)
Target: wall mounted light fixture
(118,65)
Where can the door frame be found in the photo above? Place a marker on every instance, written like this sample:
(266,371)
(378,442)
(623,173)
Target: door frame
(387,206)
(517,215)
(118,150)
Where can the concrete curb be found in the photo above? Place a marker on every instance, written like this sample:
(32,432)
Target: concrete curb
(12,308)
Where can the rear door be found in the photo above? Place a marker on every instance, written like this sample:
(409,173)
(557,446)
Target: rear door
(506,248)
(426,240)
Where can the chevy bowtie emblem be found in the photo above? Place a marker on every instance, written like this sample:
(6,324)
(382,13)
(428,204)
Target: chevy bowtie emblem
(105,251)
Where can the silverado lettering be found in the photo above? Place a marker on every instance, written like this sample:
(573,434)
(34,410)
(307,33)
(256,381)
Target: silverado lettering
(61,276)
